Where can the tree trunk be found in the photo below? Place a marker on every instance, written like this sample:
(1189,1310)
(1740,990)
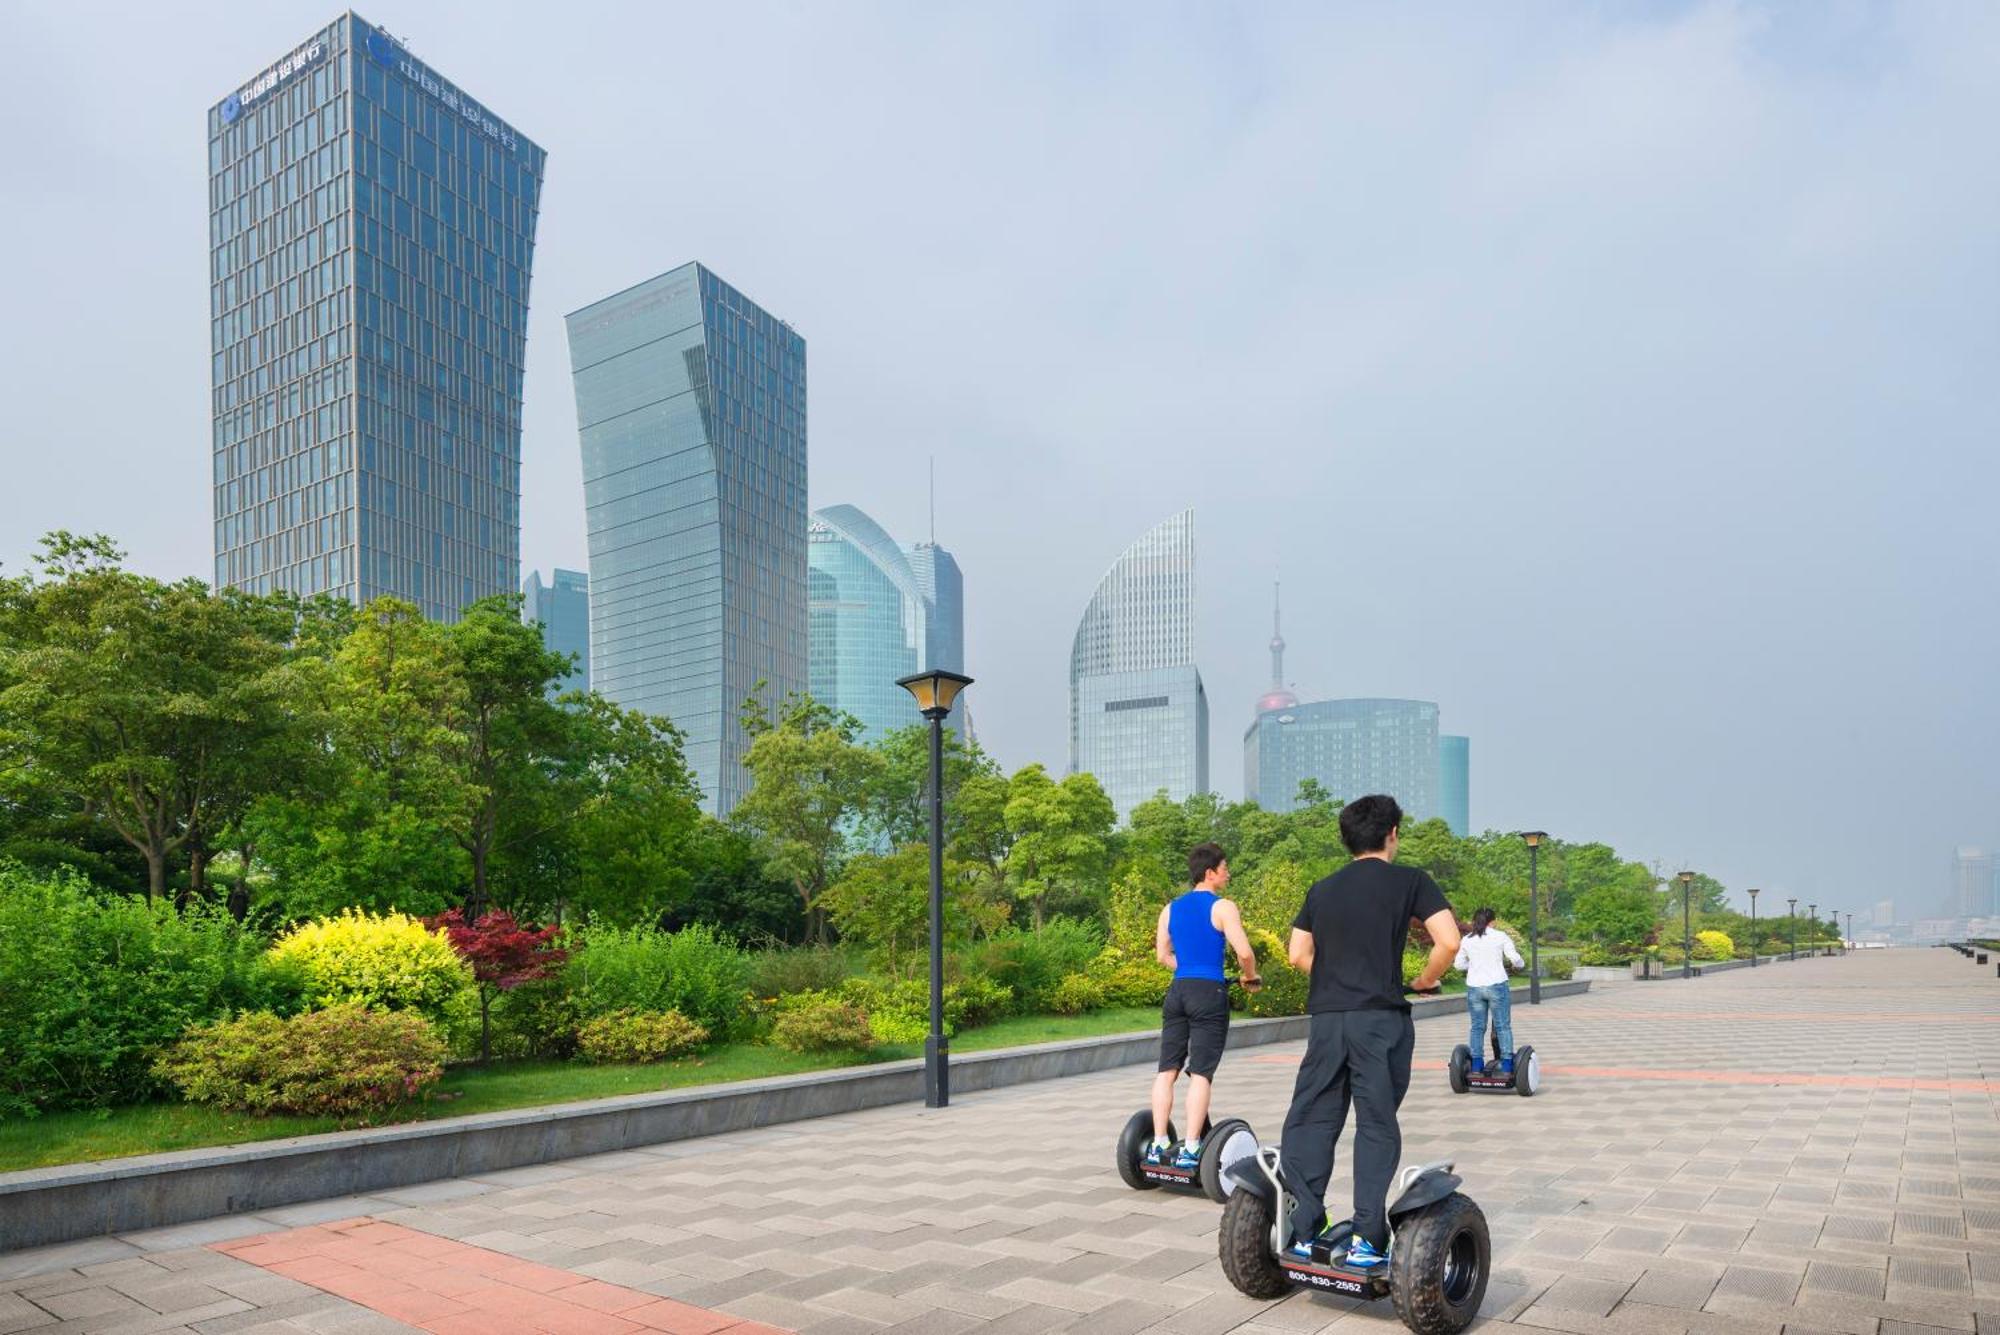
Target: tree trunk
(156,873)
(485,1027)
(239,891)
(197,886)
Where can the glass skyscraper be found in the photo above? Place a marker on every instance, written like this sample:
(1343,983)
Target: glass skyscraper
(1352,747)
(371,233)
(562,607)
(943,586)
(691,411)
(1138,714)
(1455,782)
(872,620)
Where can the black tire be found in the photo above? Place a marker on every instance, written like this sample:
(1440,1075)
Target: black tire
(1214,1152)
(1243,1244)
(1132,1149)
(1524,1059)
(1461,1062)
(1439,1266)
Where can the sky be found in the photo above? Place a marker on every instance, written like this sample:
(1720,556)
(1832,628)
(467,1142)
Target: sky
(1622,378)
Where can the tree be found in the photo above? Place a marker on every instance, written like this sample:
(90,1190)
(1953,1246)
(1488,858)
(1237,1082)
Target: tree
(503,955)
(882,901)
(898,798)
(128,694)
(1620,912)
(809,783)
(1061,837)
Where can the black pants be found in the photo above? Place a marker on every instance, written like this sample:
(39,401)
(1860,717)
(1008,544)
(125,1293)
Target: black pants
(1358,1057)
(1194,1027)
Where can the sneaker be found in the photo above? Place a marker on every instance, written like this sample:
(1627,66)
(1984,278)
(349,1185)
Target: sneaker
(1189,1157)
(1156,1153)
(1302,1250)
(1506,1066)
(1361,1255)
(1479,1066)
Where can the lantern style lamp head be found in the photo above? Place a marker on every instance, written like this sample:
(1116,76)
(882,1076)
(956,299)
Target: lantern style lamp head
(1753,894)
(1791,903)
(1687,877)
(934,690)
(1534,837)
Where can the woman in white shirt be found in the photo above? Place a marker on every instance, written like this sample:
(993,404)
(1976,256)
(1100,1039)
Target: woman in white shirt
(1484,952)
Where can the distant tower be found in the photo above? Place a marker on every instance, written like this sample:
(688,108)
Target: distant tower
(1279,696)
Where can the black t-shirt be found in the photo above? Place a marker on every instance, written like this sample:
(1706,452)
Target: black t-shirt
(1360,921)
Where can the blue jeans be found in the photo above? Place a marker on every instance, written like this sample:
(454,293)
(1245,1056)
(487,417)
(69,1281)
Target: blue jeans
(1500,1001)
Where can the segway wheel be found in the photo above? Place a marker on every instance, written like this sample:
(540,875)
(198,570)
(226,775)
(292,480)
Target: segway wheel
(1132,1149)
(1527,1072)
(1227,1142)
(1243,1244)
(1439,1265)
(1461,1063)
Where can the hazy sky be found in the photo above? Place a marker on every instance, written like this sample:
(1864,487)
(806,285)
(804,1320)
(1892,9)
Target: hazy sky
(1623,378)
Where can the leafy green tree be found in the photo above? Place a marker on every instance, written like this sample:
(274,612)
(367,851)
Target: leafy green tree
(898,798)
(1061,838)
(1619,912)
(882,902)
(810,782)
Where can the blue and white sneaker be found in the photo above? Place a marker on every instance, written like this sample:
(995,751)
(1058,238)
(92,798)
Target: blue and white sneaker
(1302,1250)
(1156,1153)
(1361,1255)
(1189,1157)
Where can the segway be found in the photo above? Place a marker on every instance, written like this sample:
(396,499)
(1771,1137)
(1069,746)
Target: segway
(1525,1079)
(1439,1250)
(1228,1142)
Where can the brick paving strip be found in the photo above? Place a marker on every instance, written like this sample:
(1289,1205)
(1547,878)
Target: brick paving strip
(450,1288)
(1708,1077)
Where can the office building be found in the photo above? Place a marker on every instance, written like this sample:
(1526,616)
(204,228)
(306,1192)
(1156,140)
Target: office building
(371,236)
(869,617)
(562,609)
(1351,747)
(943,586)
(1455,783)
(691,413)
(1972,883)
(1138,714)
(1885,913)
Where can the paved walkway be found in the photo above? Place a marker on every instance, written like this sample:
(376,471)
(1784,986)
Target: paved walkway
(1806,1147)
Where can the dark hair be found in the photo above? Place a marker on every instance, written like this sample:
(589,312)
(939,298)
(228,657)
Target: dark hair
(1203,859)
(1366,822)
(1481,920)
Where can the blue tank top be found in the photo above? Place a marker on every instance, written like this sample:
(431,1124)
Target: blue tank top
(1197,942)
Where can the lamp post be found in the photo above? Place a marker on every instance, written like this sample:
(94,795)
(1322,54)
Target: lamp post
(1753,926)
(934,692)
(1812,926)
(1687,925)
(1534,841)
(1792,920)
(1848,940)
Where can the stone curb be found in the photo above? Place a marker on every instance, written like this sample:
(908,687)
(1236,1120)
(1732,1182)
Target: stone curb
(40,1206)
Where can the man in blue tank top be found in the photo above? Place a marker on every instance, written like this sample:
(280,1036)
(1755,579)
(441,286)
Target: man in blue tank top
(1194,1019)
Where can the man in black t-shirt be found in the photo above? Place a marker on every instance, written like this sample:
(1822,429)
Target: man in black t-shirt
(1350,935)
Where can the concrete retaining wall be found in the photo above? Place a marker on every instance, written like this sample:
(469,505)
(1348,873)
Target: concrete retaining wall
(49,1205)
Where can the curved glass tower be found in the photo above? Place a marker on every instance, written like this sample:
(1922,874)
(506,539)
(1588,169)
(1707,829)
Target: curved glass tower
(870,619)
(1138,715)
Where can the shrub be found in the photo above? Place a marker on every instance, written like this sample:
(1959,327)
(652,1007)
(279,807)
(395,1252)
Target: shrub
(344,1061)
(389,961)
(639,1036)
(696,971)
(1130,980)
(1031,963)
(783,971)
(816,1022)
(980,999)
(1076,994)
(1602,956)
(900,1011)
(1714,945)
(92,989)
(1285,988)
(1559,967)
(536,1020)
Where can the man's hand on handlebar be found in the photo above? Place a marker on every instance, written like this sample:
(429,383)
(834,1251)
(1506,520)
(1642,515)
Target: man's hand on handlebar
(1415,987)
(1252,983)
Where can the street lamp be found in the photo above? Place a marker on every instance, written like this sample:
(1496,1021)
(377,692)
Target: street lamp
(1534,840)
(1753,926)
(934,692)
(1812,921)
(1848,940)
(1687,929)
(1792,918)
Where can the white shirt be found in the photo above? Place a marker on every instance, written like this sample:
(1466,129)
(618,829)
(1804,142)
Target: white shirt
(1480,956)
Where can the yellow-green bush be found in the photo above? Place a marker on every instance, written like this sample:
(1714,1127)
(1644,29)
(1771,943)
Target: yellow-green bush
(816,1022)
(344,1061)
(1129,978)
(1075,994)
(1714,945)
(389,962)
(639,1036)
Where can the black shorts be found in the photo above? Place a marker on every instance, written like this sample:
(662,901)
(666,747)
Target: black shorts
(1194,1024)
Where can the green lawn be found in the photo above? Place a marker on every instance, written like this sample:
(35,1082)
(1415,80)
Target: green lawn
(72,1137)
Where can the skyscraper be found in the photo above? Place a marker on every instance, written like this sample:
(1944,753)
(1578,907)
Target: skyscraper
(691,412)
(1972,875)
(870,620)
(1455,782)
(562,606)
(941,582)
(1138,714)
(1351,748)
(371,234)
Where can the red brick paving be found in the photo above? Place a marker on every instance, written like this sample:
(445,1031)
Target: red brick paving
(449,1288)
